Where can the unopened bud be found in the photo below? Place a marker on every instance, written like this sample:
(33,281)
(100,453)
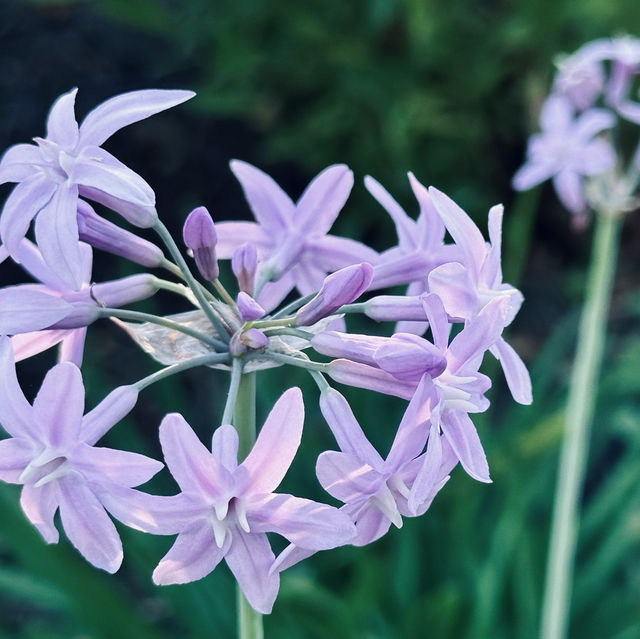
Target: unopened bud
(244,263)
(199,234)
(248,308)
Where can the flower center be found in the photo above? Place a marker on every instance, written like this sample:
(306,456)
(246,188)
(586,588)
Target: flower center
(46,467)
(226,514)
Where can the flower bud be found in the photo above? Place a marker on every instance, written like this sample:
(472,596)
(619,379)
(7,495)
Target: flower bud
(248,308)
(199,234)
(244,263)
(106,236)
(395,308)
(124,291)
(407,357)
(341,287)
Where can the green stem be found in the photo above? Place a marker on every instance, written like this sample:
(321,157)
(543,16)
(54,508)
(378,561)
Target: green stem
(295,361)
(294,306)
(137,316)
(244,419)
(579,415)
(236,377)
(202,360)
(163,232)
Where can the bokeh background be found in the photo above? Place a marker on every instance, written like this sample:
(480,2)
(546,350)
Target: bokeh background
(450,91)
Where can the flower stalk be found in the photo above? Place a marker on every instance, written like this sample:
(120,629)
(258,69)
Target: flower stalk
(579,416)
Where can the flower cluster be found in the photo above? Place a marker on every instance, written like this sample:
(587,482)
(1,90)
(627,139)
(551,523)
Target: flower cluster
(592,90)
(455,309)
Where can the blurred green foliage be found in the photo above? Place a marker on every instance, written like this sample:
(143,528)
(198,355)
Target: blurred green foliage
(450,91)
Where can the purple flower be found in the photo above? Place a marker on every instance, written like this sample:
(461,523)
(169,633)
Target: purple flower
(227,508)
(51,452)
(199,235)
(69,163)
(293,246)
(342,287)
(465,287)
(567,150)
(420,247)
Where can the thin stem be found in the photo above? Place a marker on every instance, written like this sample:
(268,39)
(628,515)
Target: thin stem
(236,376)
(294,306)
(579,415)
(164,234)
(272,323)
(296,361)
(244,419)
(359,307)
(202,360)
(171,267)
(222,292)
(136,316)
(319,379)
(174,287)
(294,332)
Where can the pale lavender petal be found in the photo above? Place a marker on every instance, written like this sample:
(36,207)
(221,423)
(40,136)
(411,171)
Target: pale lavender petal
(429,472)
(108,412)
(593,122)
(25,201)
(359,348)
(323,199)
(30,258)
(98,169)
(394,308)
(224,446)
(15,455)
(193,467)
(59,405)
(453,285)
(28,344)
(307,276)
(4,254)
(568,186)
(273,293)
(463,437)
(290,556)
(88,526)
(556,115)
(629,110)
(56,231)
(121,467)
(479,334)
(407,357)
(515,372)
(16,414)
(532,173)
(277,443)
(24,309)
(438,320)
(72,346)
(139,215)
(155,514)
(19,162)
(371,524)
(413,429)
(106,236)
(125,290)
(124,109)
(193,556)
(199,234)
(359,375)
(462,229)
(40,505)
(596,157)
(270,205)
(401,269)
(492,267)
(345,428)
(345,477)
(248,308)
(244,264)
(303,522)
(62,127)
(429,226)
(332,252)
(405,226)
(250,558)
(231,235)
(342,287)
(414,322)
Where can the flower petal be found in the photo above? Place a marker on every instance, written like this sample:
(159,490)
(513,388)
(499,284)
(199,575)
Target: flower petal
(323,199)
(271,206)
(25,201)
(124,109)
(371,524)
(19,162)
(72,346)
(56,231)
(345,428)
(28,344)
(463,437)
(250,558)
(532,173)
(359,375)
(345,477)
(453,285)
(59,405)
(429,472)
(515,372)
(62,127)
(25,308)
(88,526)
(15,455)
(277,443)
(40,505)
(194,468)
(332,252)
(107,413)
(224,446)
(231,235)
(16,414)
(306,523)
(568,186)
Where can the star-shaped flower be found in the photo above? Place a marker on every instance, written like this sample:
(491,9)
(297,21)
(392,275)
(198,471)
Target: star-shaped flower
(69,163)
(291,238)
(51,452)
